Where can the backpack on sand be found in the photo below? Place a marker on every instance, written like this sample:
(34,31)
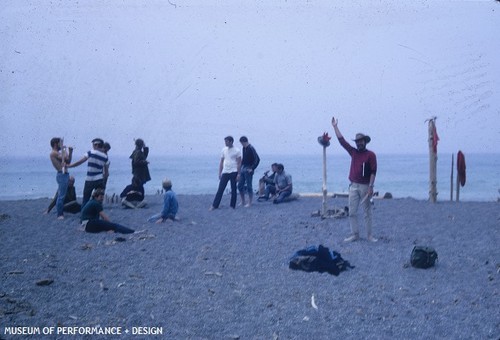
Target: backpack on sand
(319,259)
(423,257)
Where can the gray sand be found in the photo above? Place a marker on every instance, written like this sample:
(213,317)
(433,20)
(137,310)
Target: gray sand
(224,274)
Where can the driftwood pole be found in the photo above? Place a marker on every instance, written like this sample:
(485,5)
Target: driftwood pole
(325,192)
(63,155)
(451,178)
(325,142)
(433,139)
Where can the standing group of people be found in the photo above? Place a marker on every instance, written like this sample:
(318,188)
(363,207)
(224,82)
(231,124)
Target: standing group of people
(235,167)
(238,168)
(92,216)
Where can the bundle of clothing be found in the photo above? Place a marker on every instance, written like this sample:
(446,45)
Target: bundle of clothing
(319,259)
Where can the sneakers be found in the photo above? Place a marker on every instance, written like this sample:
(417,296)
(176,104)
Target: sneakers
(352,238)
(372,239)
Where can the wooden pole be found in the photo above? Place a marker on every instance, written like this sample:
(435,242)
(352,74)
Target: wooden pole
(432,162)
(323,213)
(63,155)
(457,197)
(451,178)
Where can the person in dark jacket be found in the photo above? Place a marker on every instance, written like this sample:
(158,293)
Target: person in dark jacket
(133,195)
(249,162)
(139,161)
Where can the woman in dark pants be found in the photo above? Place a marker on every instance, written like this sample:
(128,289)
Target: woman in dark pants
(94,218)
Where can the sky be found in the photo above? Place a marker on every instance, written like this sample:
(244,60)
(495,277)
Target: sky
(182,75)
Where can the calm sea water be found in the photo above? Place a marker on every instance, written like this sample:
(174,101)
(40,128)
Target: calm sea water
(401,175)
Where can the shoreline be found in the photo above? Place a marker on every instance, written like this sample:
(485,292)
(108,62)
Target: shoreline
(300,195)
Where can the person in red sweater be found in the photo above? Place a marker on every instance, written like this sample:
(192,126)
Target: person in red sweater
(362,177)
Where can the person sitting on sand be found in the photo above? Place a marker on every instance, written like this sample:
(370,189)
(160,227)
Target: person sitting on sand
(95,220)
(71,205)
(133,194)
(268,182)
(170,204)
(283,184)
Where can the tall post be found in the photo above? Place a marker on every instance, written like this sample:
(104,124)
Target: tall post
(63,155)
(324,210)
(325,142)
(433,138)
(451,178)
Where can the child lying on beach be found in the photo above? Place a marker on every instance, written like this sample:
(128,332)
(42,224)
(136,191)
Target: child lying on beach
(95,220)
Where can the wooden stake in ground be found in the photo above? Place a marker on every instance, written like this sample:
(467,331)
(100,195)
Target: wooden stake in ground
(451,178)
(63,155)
(433,140)
(325,142)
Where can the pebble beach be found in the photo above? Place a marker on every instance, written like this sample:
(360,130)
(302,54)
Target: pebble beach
(224,274)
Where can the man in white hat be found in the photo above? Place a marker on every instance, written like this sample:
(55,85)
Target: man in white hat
(362,177)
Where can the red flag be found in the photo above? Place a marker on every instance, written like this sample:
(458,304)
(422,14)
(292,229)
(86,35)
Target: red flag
(435,138)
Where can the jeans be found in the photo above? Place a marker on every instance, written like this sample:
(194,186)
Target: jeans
(62,187)
(96,226)
(156,217)
(222,186)
(281,196)
(358,196)
(246,177)
(270,190)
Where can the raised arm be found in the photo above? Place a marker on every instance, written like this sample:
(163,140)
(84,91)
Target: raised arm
(336,128)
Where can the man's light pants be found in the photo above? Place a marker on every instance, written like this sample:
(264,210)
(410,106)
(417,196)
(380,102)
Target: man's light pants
(358,196)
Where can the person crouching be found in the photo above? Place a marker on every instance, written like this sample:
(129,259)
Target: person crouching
(170,204)
(133,194)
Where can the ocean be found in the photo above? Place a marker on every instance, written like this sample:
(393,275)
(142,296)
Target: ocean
(401,175)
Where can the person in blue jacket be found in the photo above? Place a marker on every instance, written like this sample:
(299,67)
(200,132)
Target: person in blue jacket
(170,204)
